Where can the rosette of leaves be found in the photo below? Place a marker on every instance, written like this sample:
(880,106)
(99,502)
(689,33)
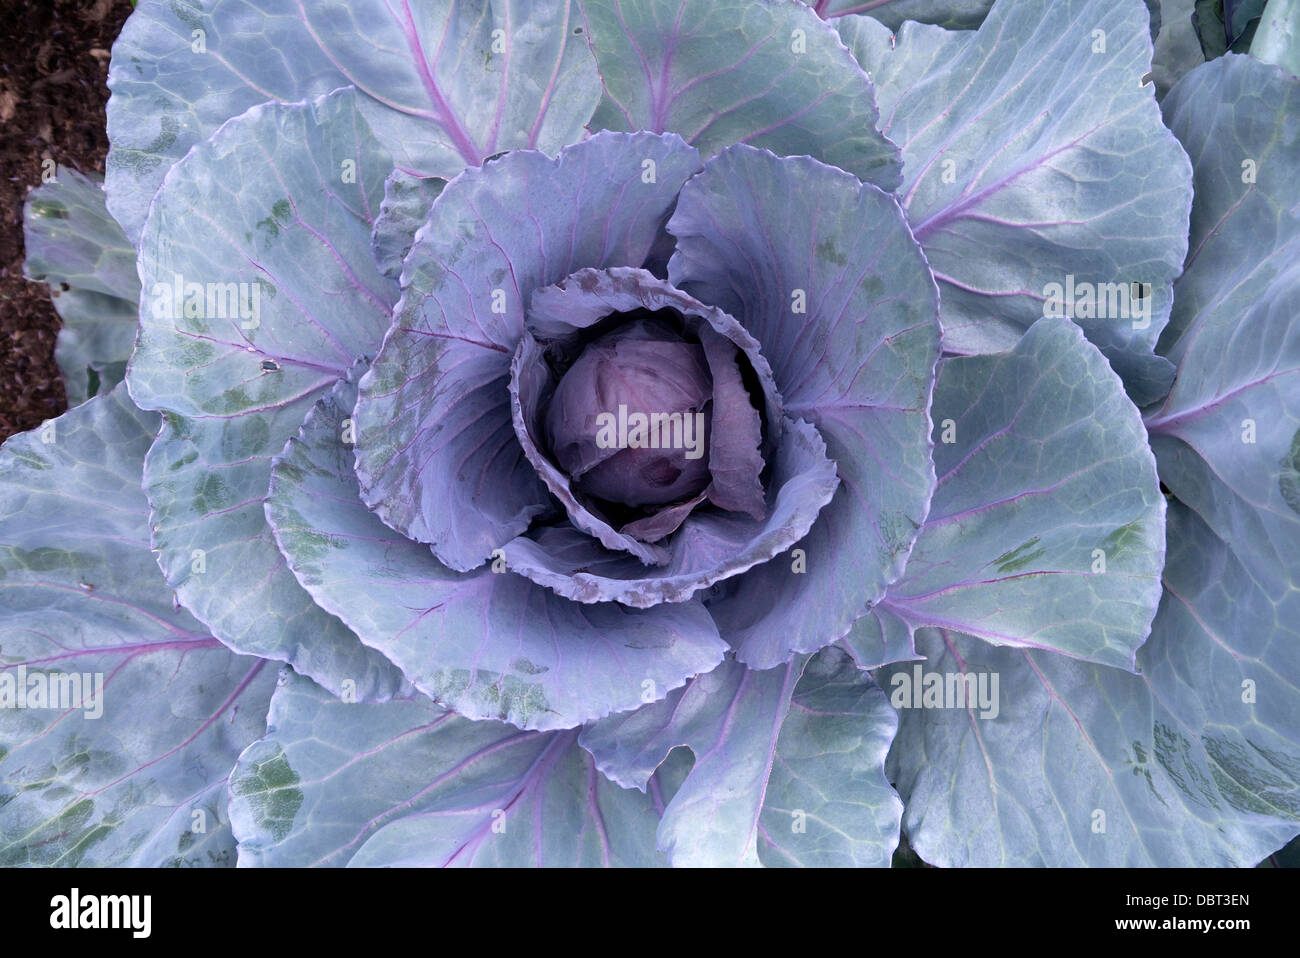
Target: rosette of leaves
(396,261)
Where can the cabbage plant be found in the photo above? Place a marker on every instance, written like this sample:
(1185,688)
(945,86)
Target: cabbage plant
(633,432)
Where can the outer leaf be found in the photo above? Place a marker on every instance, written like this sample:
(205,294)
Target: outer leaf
(72,241)
(731,719)
(768,73)
(1081,766)
(263,203)
(1278,38)
(765,238)
(70,238)
(405,208)
(488,644)
(1031,160)
(1193,761)
(166,97)
(445,84)
(1226,438)
(1224,662)
(953,14)
(565,814)
(470,79)
(1047,525)
(437,453)
(407,783)
(1244,219)
(1225,649)
(828,803)
(133,772)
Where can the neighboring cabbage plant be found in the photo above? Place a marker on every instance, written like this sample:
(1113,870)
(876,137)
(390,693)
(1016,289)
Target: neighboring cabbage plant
(708,432)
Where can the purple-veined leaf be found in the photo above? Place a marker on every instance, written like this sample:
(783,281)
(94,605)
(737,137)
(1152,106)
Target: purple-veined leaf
(1224,655)
(1047,525)
(827,802)
(120,717)
(735,457)
(822,271)
(952,14)
(788,770)
(408,783)
(1037,174)
(878,638)
(731,720)
(768,73)
(444,84)
(1192,761)
(258,292)
(1070,764)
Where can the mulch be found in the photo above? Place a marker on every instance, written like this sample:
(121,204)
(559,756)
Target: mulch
(53,68)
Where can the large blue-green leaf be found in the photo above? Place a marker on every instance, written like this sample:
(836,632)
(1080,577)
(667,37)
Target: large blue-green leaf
(827,802)
(276,208)
(1235,119)
(437,452)
(953,14)
(1035,162)
(1225,649)
(124,761)
(768,73)
(1072,764)
(453,82)
(1223,661)
(788,770)
(1195,759)
(1047,525)
(1226,438)
(408,783)
(823,271)
(488,643)
(731,719)
(445,84)
(72,241)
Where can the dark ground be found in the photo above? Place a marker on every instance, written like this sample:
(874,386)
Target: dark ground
(53,66)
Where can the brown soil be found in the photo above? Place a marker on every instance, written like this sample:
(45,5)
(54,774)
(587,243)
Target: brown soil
(53,67)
